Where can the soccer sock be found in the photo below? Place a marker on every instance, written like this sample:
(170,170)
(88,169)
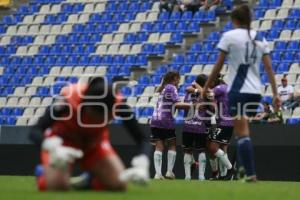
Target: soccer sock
(157,161)
(223,168)
(246,155)
(202,165)
(214,164)
(171,160)
(187,161)
(223,159)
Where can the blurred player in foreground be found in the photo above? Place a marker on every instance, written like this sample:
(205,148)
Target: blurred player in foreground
(162,123)
(74,130)
(244,49)
(194,130)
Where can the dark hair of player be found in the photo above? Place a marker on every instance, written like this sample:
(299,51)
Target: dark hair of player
(168,78)
(243,15)
(201,79)
(98,87)
(219,80)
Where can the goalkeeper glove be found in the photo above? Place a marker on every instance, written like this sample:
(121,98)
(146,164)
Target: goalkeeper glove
(60,156)
(139,172)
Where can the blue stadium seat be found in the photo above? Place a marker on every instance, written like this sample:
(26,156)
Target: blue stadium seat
(263,4)
(11,121)
(129,38)
(178,59)
(182,27)
(293,121)
(147,27)
(124,71)
(280,46)
(190,59)
(264,79)
(175,16)
(158,27)
(145,6)
(274,3)
(276,56)
(148,111)
(141,60)
(138,90)
(176,38)
(273,34)
(294,14)
(170,27)
(163,16)
(282,67)
(159,49)
(6,111)
(66,8)
(185,69)
(118,59)
(126,91)
(147,49)
(144,80)
(95,60)
(134,7)
(288,57)
(199,16)
(141,37)
(95,17)
(268,99)
(77,8)
(259,13)
(156,80)
(290,24)
(210,16)
(278,25)
(187,16)
(202,59)
(113,70)
(129,17)
(106,17)
(95,38)
(195,48)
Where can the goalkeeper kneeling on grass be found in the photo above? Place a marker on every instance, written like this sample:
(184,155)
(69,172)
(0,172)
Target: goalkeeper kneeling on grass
(74,130)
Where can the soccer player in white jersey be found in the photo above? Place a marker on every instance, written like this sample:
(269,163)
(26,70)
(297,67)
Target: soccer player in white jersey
(245,50)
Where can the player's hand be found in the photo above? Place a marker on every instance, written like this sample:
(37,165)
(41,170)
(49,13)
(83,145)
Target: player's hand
(139,172)
(60,156)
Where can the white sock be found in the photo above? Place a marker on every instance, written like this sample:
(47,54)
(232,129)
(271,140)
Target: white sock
(188,161)
(223,168)
(214,164)
(202,165)
(157,161)
(171,160)
(223,159)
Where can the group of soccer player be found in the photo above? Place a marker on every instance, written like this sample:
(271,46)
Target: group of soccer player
(235,103)
(204,129)
(74,129)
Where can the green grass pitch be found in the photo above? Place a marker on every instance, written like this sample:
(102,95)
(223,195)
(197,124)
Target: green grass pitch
(23,188)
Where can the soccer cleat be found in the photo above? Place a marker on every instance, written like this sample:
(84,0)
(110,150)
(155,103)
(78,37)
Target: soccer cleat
(201,178)
(251,179)
(159,177)
(229,176)
(81,182)
(215,176)
(170,175)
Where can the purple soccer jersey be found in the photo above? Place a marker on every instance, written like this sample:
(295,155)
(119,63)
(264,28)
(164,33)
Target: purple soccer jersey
(223,118)
(194,122)
(162,115)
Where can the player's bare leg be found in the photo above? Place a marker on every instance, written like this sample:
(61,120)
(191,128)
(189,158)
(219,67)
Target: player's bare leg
(245,148)
(157,157)
(50,178)
(171,158)
(106,174)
